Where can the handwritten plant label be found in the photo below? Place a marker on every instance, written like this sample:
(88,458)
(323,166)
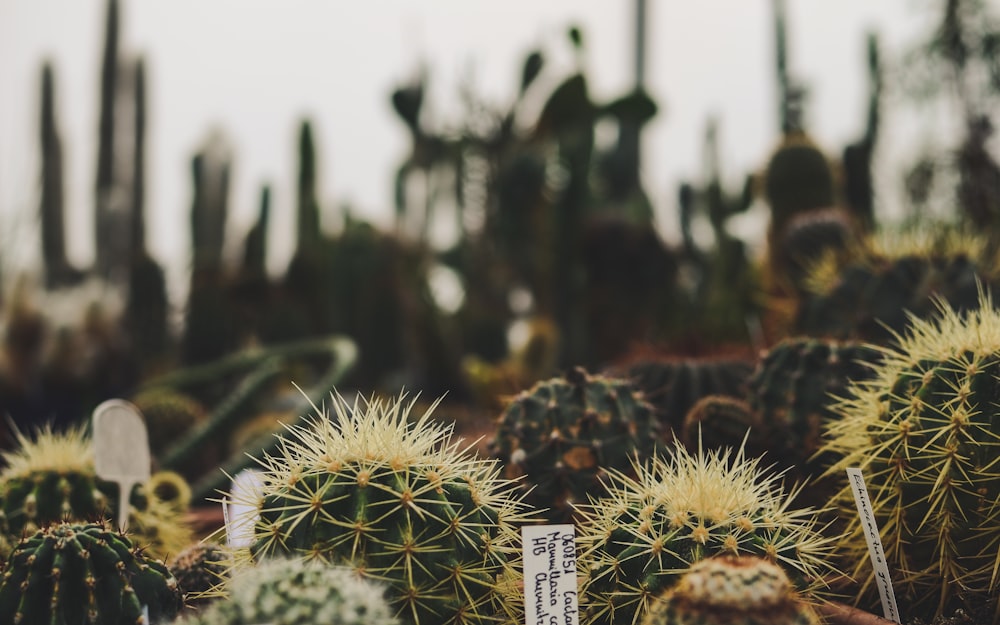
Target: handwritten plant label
(550,575)
(121,450)
(875,551)
(240,511)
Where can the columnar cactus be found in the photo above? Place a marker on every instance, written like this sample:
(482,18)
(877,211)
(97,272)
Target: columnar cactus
(732,590)
(677,511)
(83,573)
(292,592)
(565,433)
(798,179)
(924,431)
(200,569)
(396,500)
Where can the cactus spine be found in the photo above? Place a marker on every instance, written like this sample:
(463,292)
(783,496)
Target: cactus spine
(732,590)
(83,573)
(398,501)
(200,569)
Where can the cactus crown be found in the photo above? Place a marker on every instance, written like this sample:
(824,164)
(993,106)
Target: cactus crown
(680,510)
(400,501)
(925,433)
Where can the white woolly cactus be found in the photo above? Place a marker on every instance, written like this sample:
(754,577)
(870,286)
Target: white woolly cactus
(680,510)
(291,592)
(732,590)
(926,433)
(399,501)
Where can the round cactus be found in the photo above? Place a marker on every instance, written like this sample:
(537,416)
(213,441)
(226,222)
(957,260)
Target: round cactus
(925,432)
(732,590)
(680,510)
(292,592)
(798,179)
(564,433)
(200,569)
(52,478)
(397,500)
(718,421)
(170,488)
(169,415)
(83,573)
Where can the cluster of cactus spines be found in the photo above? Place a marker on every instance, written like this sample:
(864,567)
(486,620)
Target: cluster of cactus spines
(673,386)
(52,478)
(564,433)
(397,500)
(84,573)
(794,388)
(293,592)
(924,432)
(200,570)
(732,590)
(147,311)
(681,509)
(169,414)
(718,421)
(871,294)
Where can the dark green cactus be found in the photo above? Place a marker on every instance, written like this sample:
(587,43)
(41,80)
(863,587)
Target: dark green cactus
(147,311)
(57,268)
(563,435)
(798,179)
(308,227)
(859,188)
(399,501)
(83,573)
(200,569)
(169,415)
(808,239)
(718,421)
(105,183)
(674,385)
(137,220)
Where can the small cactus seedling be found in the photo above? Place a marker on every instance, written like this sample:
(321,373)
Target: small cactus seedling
(731,590)
(679,510)
(292,592)
(564,433)
(396,500)
(83,573)
(925,433)
(200,569)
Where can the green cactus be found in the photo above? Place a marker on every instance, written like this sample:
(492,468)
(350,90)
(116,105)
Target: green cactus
(58,271)
(52,478)
(718,421)
(924,431)
(169,415)
(679,510)
(200,569)
(104,227)
(291,592)
(806,240)
(798,179)
(732,590)
(400,502)
(308,227)
(147,311)
(564,433)
(794,388)
(83,573)
(673,385)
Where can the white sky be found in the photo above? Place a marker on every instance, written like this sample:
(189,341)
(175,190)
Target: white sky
(254,67)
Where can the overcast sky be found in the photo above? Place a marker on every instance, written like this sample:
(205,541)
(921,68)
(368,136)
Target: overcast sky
(254,68)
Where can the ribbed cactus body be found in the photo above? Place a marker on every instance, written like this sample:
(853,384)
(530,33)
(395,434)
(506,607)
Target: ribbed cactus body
(677,511)
(924,431)
(290,592)
(200,569)
(718,421)
(565,433)
(84,574)
(732,591)
(397,501)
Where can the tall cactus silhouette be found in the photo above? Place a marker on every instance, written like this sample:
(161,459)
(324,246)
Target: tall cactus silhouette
(859,192)
(103,213)
(137,222)
(57,269)
(308,203)
(255,244)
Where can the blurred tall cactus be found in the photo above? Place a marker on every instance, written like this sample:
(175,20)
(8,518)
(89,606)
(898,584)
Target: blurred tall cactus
(308,227)
(859,192)
(105,184)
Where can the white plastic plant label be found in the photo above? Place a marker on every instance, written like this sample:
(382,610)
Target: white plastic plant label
(875,551)
(240,510)
(549,553)
(121,450)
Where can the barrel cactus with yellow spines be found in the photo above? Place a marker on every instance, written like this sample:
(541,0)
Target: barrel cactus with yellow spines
(84,573)
(732,590)
(925,434)
(680,509)
(398,500)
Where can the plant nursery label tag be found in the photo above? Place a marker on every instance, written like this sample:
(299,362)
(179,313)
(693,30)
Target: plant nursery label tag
(875,551)
(145,615)
(549,575)
(121,450)
(240,510)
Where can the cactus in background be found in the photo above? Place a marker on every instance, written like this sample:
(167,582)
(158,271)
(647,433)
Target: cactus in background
(798,179)
(563,434)
(200,569)
(809,238)
(308,227)
(924,431)
(397,500)
(859,189)
(104,216)
(291,592)
(682,509)
(137,220)
(210,170)
(718,421)
(83,573)
(794,388)
(169,415)
(255,244)
(147,312)
(673,385)
(732,590)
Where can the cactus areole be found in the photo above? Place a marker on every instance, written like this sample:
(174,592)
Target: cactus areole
(399,502)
